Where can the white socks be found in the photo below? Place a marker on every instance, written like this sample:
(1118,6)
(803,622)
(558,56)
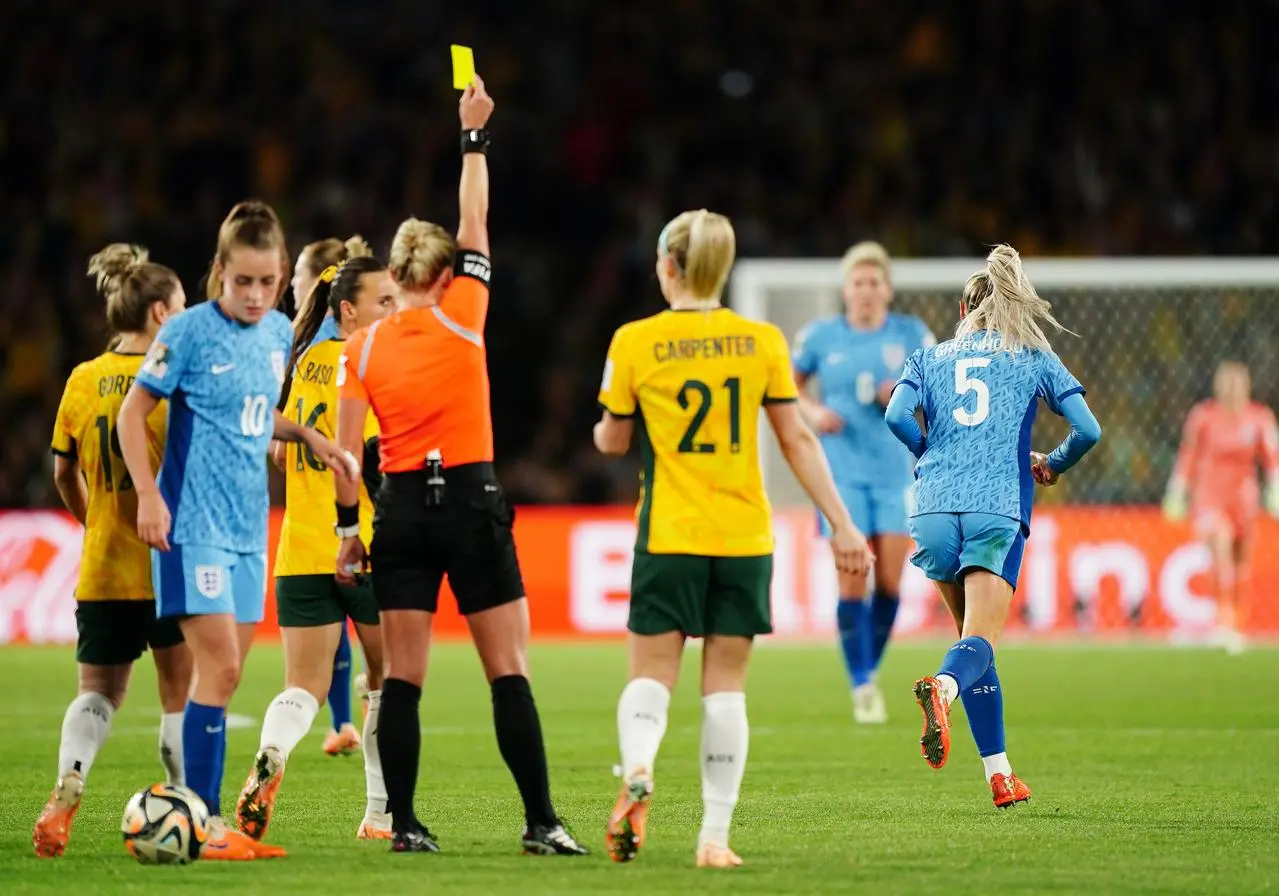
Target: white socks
(949,687)
(996,765)
(171,747)
(84,730)
(288,719)
(641,723)
(725,739)
(374,783)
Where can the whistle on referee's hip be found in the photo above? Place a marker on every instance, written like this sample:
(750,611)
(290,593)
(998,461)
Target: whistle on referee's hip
(434,478)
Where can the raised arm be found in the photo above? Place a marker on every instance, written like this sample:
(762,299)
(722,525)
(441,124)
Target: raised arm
(474,110)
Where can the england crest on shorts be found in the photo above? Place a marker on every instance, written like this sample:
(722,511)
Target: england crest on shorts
(894,355)
(277,364)
(210,581)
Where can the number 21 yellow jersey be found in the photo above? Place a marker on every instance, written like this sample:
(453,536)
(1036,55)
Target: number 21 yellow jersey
(115,564)
(308,544)
(697,380)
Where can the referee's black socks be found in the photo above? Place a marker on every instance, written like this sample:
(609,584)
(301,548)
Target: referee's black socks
(399,743)
(519,739)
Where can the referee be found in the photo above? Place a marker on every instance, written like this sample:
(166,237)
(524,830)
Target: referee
(424,372)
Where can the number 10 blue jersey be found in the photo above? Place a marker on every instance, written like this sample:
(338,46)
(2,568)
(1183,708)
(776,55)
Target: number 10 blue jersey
(223,380)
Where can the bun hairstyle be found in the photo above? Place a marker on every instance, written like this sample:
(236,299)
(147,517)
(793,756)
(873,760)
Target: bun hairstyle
(420,253)
(254,225)
(130,284)
(1002,302)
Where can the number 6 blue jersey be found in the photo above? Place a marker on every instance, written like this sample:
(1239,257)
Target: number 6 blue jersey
(223,380)
(979,405)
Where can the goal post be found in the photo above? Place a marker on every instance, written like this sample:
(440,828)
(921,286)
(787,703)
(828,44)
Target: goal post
(1219,308)
(1147,334)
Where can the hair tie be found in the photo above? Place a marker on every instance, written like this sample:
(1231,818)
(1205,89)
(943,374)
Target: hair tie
(329,274)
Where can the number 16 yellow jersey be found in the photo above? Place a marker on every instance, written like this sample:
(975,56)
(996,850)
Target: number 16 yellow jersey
(308,544)
(697,380)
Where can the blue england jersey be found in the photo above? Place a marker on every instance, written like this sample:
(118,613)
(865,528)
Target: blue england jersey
(222,379)
(850,366)
(979,405)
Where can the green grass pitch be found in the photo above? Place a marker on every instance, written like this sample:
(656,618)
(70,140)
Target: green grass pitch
(1154,771)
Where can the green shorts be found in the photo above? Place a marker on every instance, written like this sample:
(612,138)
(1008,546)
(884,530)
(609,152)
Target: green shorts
(308,601)
(117,632)
(700,596)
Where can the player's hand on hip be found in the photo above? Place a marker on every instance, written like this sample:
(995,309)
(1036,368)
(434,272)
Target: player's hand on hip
(352,560)
(826,421)
(154,520)
(1039,469)
(475,106)
(853,555)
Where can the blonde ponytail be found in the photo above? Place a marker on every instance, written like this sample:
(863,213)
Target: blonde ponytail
(1002,303)
(703,247)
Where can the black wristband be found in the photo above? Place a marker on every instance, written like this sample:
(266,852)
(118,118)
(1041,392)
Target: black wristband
(348,516)
(475,140)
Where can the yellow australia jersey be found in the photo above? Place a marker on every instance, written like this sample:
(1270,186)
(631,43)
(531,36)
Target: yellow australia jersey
(308,544)
(115,564)
(697,380)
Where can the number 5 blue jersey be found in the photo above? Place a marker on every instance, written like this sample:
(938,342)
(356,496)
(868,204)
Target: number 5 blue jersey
(223,380)
(979,405)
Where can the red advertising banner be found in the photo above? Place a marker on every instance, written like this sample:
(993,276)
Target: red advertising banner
(1087,570)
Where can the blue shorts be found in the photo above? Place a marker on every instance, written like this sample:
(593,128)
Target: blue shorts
(195,581)
(875,510)
(948,545)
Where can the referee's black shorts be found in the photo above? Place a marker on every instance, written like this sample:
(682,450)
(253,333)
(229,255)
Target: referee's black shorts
(467,538)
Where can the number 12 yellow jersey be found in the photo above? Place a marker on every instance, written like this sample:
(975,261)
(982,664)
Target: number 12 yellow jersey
(697,380)
(308,544)
(115,563)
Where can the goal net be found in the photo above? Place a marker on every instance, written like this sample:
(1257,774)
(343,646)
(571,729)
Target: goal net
(1150,333)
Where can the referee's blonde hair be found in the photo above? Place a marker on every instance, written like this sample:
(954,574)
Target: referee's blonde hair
(867,252)
(1002,302)
(703,246)
(420,253)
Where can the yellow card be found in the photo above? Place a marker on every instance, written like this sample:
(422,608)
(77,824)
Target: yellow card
(463,66)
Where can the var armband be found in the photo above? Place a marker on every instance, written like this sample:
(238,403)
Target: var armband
(469,263)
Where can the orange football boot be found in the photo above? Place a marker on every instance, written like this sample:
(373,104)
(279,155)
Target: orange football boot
(257,800)
(629,818)
(53,827)
(342,743)
(369,830)
(225,845)
(934,743)
(1008,790)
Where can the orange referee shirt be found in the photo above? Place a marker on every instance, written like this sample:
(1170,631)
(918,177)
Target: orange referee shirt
(424,371)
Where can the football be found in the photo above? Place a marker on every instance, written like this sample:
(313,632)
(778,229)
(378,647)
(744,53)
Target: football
(166,824)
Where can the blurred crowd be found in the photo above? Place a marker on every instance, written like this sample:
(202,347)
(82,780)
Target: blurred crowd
(1064,128)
